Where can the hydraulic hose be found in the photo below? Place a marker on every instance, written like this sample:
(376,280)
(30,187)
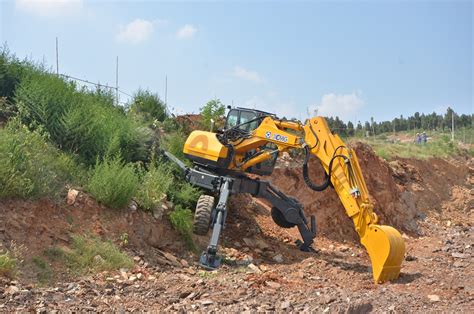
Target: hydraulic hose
(327,176)
(307,179)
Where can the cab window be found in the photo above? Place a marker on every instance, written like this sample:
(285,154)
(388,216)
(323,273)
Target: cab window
(232,119)
(246,116)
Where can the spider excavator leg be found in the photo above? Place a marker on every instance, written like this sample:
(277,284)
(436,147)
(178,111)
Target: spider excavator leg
(209,258)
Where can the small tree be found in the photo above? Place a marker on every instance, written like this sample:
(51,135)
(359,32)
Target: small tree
(149,106)
(213,110)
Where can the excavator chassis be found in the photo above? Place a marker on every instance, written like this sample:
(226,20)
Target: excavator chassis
(226,185)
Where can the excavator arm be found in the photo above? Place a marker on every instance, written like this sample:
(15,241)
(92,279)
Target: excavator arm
(384,244)
(238,150)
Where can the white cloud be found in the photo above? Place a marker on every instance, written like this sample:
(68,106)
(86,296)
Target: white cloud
(187,31)
(247,75)
(50,8)
(136,31)
(342,105)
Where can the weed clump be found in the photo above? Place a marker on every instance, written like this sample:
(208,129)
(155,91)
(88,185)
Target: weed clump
(155,185)
(113,182)
(182,221)
(90,254)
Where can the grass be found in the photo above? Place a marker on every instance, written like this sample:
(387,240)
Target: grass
(113,182)
(8,264)
(89,254)
(439,146)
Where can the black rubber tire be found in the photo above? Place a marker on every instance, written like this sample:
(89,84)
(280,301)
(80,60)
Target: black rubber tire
(280,220)
(202,215)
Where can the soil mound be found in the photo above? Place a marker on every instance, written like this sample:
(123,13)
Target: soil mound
(398,190)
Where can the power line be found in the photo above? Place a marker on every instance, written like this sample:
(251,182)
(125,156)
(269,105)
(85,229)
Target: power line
(96,84)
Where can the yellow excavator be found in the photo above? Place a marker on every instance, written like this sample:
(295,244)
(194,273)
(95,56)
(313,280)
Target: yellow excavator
(250,142)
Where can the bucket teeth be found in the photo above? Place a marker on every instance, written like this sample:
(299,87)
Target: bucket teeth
(386,249)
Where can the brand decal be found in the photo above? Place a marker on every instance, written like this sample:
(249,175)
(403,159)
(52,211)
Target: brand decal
(280,138)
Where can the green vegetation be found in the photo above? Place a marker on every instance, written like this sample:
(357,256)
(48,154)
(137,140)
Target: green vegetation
(214,110)
(185,194)
(90,254)
(30,167)
(174,143)
(113,182)
(8,264)
(148,106)
(440,145)
(182,221)
(155,185)
(44,273)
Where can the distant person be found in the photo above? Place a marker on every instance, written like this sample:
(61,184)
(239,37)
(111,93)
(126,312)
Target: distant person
(418,138)
(424,138)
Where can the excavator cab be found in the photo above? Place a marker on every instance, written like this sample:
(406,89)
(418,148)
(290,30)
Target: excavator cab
(245,119)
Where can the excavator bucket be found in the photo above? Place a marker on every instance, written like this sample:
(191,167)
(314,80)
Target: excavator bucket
(386,249)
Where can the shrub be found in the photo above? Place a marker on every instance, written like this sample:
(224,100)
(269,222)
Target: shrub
(149,106)
(113,182)
(182,221)
(31,167)
(8,264)
(174,143)
(79,120)
(155,185)
(185,195)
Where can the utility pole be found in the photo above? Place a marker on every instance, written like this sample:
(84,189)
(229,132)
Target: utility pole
(166,91)
(57,57)
(116,83)
(452,125)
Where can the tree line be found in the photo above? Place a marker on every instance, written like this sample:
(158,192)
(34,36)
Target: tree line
(421,122)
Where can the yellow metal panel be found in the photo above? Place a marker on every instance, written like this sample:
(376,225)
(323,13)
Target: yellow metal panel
(205,145)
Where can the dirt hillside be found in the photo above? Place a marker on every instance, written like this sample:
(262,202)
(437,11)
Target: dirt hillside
(430,201)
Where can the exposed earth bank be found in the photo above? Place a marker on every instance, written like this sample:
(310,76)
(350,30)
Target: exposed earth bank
(430,201)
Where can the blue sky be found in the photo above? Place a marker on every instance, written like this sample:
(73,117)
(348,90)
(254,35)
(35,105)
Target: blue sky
(351,59)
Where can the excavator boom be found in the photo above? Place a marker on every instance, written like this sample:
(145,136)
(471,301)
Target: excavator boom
(251,142)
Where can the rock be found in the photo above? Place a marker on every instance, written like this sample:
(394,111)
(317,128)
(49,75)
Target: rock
(139,276)
(71,196)
(123,273)
(254,268)
(273,284)
(184,263)
(262,245)
(459,255)
(158,212)
(12,290)
(137,258)
(278,258)
(207,302)
(249,242)
(434,298)
(410,258)
(343,248)
(132,278)
(448,223)
(458,264)
(359,308)
(98,259)
(133,206)
(284,305)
